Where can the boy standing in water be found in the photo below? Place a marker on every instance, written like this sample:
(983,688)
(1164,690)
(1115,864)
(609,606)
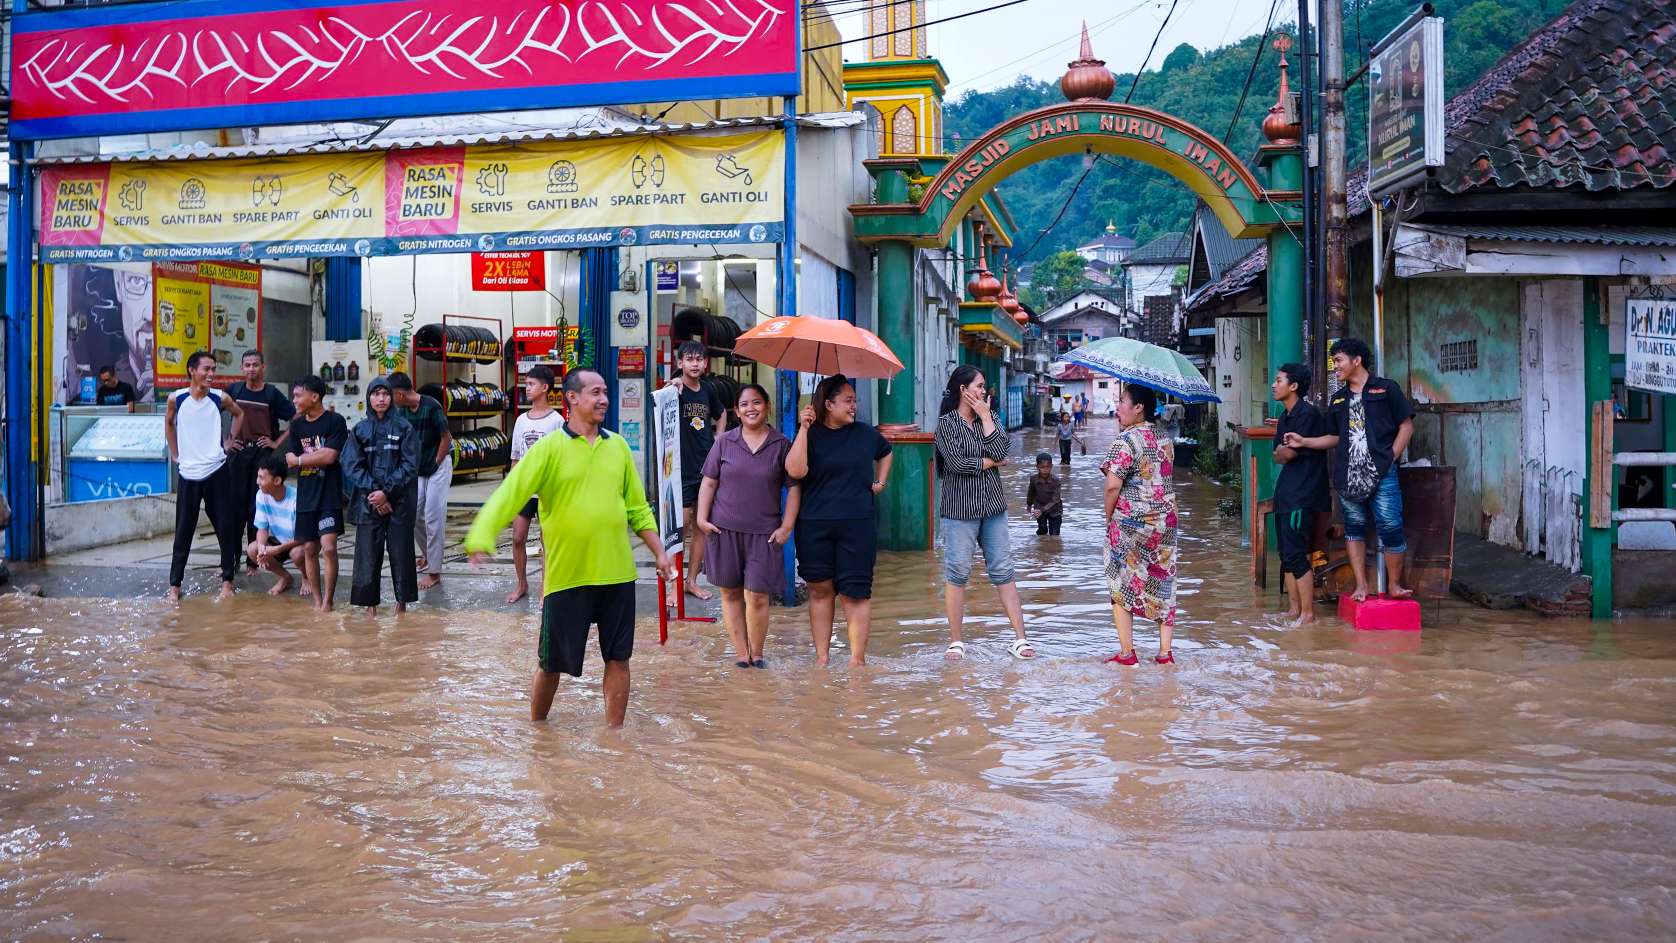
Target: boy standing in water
(1043,500)
(313,442)
(703,417)
(275,521)
(1300,491)
(381,464)
(1066,431)
(541,419)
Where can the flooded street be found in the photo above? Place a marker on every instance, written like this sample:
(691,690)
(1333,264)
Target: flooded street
(253,771)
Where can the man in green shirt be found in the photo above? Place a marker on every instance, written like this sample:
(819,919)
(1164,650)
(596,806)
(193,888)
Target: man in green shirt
(589,495)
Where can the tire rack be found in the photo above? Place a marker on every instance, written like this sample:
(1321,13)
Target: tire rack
(471,419)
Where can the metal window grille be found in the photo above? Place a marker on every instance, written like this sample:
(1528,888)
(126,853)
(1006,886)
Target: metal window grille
(1457,356)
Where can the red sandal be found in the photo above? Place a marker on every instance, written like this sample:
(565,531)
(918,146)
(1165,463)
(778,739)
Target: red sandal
(1165,658)
(1118,659)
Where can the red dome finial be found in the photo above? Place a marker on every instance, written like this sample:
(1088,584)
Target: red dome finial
(1087,78)
(1277,127)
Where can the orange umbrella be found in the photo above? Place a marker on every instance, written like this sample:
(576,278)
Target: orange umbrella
(818,345)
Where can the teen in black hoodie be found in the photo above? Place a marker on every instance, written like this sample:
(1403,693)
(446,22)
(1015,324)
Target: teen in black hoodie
(380,466)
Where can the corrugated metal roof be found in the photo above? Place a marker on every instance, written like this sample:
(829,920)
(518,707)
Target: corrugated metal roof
(1575,235)
(460,139)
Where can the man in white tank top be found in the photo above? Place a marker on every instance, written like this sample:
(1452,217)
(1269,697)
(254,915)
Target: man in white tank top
(192,426)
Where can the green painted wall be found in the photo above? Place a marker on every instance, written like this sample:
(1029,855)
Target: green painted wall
(902,509)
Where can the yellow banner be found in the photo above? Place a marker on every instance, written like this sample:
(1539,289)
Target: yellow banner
(636,189)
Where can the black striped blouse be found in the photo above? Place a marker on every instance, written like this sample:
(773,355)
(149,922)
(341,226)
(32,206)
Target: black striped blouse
(969,491)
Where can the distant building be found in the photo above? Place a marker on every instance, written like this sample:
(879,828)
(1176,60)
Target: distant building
(1152,267)
(1083,317)
(1110,248)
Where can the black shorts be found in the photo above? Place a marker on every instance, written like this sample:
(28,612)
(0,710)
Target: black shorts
(689,493)
(530,509)
(1294,529)
(566,615)
(840,551)
(312,524)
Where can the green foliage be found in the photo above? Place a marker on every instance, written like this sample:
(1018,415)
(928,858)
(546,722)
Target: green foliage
(1204,89)
(1062,273)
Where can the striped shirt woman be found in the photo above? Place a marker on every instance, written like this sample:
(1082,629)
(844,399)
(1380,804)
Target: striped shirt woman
(970,452)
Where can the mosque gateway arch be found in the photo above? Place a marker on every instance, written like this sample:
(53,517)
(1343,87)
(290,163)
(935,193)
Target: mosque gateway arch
(934,201)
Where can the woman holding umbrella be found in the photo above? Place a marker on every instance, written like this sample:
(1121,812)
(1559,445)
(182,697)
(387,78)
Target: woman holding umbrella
(1140,551)
(842,464)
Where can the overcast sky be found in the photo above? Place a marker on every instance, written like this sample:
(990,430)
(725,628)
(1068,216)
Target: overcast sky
(1038,37)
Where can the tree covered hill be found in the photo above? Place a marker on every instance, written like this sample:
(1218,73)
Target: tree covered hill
(1204,88)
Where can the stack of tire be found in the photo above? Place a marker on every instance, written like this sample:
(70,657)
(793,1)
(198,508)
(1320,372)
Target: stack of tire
(700,325)
(456,342)
(462,397)
(727,390)
(481,448)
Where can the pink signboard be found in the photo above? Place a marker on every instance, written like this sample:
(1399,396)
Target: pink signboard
(224,63)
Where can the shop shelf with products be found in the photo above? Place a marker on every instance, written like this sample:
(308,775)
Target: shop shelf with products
(535,346)
(446,365)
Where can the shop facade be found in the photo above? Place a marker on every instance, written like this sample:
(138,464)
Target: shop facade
(434,253)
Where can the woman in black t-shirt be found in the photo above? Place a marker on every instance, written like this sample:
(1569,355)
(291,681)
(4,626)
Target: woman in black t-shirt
(842,464)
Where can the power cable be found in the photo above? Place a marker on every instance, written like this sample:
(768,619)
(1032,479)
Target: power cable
(904,29)
(1250,74)
(1150,49)
(1094,30)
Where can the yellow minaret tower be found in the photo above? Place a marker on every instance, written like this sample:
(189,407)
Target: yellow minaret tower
(901,79)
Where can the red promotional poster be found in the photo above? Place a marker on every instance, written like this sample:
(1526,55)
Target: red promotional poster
(631,361)
(508,271)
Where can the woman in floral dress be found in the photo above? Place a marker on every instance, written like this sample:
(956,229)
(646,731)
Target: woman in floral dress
(1140,553)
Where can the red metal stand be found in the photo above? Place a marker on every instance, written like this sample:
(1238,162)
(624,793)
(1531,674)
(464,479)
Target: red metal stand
(680,600)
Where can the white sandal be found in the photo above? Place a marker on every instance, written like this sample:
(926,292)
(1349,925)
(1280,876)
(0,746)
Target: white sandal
(956,651)
(1020,647)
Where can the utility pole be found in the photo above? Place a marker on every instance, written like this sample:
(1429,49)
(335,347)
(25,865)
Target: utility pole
(1336,269)
(1311,204)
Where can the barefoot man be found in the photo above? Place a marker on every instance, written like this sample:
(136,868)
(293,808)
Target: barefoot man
(1300,491)
(192,427)
(1374,422)
(529,429)
(590,496)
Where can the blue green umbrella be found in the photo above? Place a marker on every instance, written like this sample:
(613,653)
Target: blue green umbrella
(1148,365)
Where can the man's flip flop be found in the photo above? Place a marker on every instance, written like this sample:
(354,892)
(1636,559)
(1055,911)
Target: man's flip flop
(957,651)
(1021,648)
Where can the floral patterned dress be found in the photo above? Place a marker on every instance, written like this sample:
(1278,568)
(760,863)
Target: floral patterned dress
(1140,552)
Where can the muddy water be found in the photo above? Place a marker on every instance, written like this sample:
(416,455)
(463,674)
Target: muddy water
(253,772)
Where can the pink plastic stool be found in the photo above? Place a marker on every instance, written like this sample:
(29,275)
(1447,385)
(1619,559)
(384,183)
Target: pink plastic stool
(1380,613)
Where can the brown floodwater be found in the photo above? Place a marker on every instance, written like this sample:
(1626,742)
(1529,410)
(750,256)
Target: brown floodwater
(252,771)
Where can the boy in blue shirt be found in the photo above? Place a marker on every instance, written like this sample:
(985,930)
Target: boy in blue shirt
(276,524)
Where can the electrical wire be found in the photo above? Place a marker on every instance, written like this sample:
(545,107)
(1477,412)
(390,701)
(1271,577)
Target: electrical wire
(1150,49)
(904,29)
(1093,31)
(1060,215)
(1250,74)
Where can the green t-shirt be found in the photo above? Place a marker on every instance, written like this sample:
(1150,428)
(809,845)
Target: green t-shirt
(590,499)
(431,423)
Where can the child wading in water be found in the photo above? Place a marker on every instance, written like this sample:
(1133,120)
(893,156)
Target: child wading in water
(1043,499)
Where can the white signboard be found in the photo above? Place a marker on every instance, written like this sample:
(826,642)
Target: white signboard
(666,416)
(1650,343)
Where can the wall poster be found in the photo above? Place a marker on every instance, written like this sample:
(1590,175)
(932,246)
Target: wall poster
(210,306)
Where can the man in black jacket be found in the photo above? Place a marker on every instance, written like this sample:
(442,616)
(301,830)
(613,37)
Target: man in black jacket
(1374,423)
(380,465)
